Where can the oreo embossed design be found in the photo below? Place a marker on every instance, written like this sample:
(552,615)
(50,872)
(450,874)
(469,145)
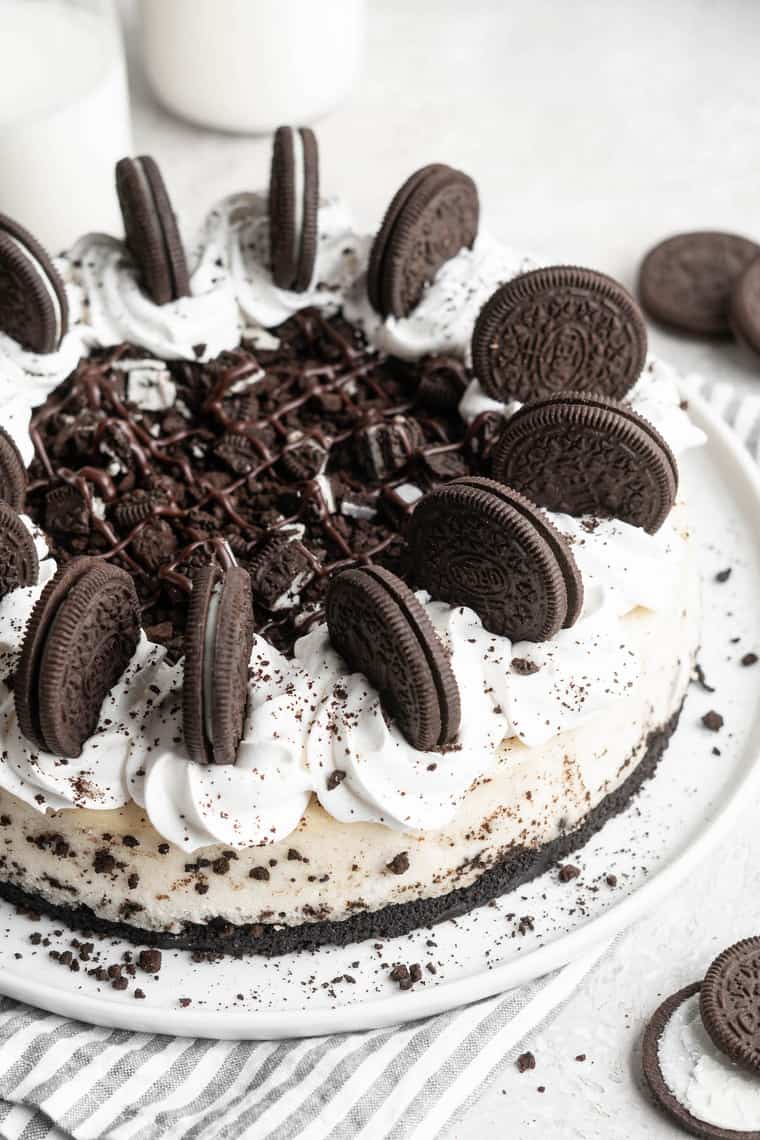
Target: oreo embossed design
(730,1003)
(556,329)
(584,455)
(19,565)
(12,473)
(379,627)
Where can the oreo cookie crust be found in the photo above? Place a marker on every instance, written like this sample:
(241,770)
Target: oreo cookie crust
(218,643)
(730,1003)
(80,638)
(584,455)
(558,329)
(33,306)
(294,207)
(12,473)
(19,565)
(151,229)
(516,867)
(379,627)
(476,543)
(665,1098)
(431,217)
(686,281)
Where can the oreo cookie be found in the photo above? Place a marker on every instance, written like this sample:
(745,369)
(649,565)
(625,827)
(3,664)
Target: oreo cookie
(80,638)
(430,218)
(476,543)
(557,329)
(745,306)
(686,281)
(294,207)
(218,643)
(151,229)
(12,473)
(379,627)
(33,306)
(730,1003)
(19,565)
(585,455)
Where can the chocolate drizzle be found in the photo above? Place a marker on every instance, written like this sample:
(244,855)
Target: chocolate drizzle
(259,444)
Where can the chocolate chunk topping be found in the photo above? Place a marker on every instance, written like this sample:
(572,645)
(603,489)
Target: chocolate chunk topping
(555,330)
(525,1062)
(150,961)
(713,720)
(686,281)
(479,544)
(431,217)
(379,627)
(585,455)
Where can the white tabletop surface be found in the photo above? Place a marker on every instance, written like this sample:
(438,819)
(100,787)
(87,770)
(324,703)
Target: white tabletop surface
(593,129)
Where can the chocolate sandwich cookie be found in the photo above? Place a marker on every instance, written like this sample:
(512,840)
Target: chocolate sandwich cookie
(151,229)
(655,1078)
(585,455)
(745,306)
(294,207)
(686,280)
(12,473)
(379,627)
(218,643)
(558,329)
(430,218)
(730,1003)
(80,638)
(19,565)
(33,306)
(476,543)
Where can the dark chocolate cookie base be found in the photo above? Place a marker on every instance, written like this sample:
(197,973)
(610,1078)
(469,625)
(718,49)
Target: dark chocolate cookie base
(220,936)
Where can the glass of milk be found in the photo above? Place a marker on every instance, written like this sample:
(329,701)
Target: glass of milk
(249,65)
(64,116)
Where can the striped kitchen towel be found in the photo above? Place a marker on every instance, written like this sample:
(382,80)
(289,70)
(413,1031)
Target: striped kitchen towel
(61,1078)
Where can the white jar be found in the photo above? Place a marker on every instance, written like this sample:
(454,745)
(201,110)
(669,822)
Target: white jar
(249,65)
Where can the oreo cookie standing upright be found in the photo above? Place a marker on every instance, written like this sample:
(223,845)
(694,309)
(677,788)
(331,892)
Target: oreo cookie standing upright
(585,455)
(476,543)
(218,643)
(431,218)
(151,229)
(81,635)
(686,281)
(33,306)
(294,207)
(12,473)
(557,329)
(379,627)
(19,565)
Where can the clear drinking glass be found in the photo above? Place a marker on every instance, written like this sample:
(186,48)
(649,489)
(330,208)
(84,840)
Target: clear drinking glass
(64,116)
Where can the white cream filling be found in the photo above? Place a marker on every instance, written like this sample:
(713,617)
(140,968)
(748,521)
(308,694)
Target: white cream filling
(42,273)
(209,658)
(299,184)
(704,1079)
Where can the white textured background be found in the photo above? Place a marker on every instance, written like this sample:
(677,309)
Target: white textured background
(593,128)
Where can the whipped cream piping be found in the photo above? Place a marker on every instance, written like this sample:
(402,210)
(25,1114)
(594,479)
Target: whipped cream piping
(703,1079)
(309,718)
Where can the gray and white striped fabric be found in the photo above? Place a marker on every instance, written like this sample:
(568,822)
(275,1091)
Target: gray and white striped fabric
(61,1079)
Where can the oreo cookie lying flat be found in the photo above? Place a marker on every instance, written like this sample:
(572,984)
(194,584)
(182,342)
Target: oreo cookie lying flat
(431,217)
(557,329)
(151,229)
(585,455)
(12,473)
(745,306)
(294,207)
(476,543)
(686,280)
(218,643)
(19,565)
(379,627)
(79,640)
(730,1003)
(33,306)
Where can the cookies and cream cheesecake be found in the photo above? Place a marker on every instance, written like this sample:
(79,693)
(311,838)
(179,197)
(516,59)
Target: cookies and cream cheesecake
(349,581)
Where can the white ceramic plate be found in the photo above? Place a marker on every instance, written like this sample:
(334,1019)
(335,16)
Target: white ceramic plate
(670,826)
